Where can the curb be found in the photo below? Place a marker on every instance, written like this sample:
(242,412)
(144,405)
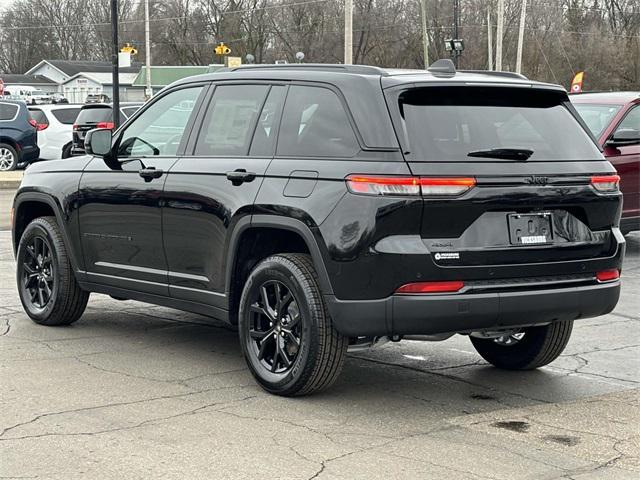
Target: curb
(9,184)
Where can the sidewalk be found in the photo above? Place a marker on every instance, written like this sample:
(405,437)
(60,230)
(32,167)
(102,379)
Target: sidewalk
(10,180)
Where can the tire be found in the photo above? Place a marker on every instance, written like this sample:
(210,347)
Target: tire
(8,158)
(538,346)
(298,327)
(42,259)
(66,151)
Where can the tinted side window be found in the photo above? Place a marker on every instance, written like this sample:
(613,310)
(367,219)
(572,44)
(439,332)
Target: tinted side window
(39,116)
(159,129)
(66,115)
(228,125)
(315,124)
(8,111)
(267,128)
(632,120)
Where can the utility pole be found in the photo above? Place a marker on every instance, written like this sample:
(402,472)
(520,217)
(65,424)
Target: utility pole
(523,16)
(490,38)
(456,22)
(499,34)
(114,72)
(147,53)
(348,32)
(425,38)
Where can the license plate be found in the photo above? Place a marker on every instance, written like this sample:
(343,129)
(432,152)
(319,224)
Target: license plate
(530,228)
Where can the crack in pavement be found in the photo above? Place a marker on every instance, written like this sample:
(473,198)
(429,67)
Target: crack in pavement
(109,405)
(131,427)
(181,381)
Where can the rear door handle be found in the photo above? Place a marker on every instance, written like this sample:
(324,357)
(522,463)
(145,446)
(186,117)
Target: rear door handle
(240,176)
(150,173)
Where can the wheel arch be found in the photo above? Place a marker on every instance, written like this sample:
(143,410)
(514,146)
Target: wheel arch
(286,235)
(30,205)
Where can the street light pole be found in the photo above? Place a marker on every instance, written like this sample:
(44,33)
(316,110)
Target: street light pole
(114,72)
(348,32)
(523,16)
(499,35)
(147,54)
(456,21)
(425,38)
(489,39)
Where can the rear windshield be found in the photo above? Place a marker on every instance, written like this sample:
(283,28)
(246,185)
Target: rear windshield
(448,123)
(8,111)
(94,115)
(66,115)
(596,116)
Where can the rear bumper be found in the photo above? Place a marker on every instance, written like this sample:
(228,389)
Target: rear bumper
(432,314)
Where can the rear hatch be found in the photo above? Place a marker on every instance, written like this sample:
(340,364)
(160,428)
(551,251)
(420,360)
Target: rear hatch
(90,117)
(508,175)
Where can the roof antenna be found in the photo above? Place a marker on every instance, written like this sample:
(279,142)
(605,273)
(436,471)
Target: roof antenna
(443,67)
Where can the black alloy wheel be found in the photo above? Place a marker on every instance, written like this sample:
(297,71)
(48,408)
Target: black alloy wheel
(46,282)
(286,333)
(274,331)
(38,273)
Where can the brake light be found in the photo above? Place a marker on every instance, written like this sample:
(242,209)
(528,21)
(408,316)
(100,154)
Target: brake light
(608,275)
(431,287)
(74,127)
(606,183)
(446,185)
(41,126)
(108,125)
(33,123)
(427,186)
(383,185)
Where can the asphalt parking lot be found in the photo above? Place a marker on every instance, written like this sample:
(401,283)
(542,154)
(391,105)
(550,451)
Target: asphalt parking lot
(136,391)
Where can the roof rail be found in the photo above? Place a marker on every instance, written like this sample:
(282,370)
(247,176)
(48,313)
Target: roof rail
(319,67)
(497,74)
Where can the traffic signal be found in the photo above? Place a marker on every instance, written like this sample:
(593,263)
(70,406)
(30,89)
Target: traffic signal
(222,49)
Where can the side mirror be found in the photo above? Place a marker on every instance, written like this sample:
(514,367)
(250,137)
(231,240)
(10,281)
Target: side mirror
(624,136)
(98,142)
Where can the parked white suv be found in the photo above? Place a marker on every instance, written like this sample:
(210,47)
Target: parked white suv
(54,124)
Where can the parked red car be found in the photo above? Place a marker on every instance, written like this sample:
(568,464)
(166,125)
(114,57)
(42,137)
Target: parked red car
(614,119)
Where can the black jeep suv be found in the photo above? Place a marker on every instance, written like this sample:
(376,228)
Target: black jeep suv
(325,208)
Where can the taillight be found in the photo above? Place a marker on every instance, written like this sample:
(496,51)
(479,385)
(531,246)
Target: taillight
(383,185)
(41,126)
(108,125)
(427,186)
(33,123)
(74,127)
(606,183)
(608,275)
(446,185)
(431,287)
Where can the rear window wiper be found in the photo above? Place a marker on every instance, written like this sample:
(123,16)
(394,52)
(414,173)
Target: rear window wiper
(521,154)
